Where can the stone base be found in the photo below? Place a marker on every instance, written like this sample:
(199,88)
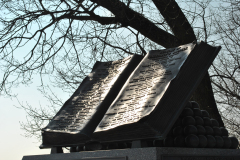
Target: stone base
(151,153)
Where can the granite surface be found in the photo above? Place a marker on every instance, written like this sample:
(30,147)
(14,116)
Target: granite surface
(151,153)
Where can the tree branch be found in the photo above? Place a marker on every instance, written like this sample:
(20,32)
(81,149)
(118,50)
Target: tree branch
(128,17)
(101,20)
(176,20)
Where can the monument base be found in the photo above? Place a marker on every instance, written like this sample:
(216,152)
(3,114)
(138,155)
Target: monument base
(151,153)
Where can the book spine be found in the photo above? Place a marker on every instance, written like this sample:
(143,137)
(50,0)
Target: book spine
(112,94)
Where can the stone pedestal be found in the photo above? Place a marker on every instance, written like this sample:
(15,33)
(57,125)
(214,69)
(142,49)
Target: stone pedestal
(151,153)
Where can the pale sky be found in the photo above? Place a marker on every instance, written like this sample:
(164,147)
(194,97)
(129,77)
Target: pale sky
(13,145)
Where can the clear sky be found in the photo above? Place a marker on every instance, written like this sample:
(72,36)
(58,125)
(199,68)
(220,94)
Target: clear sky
(13,144)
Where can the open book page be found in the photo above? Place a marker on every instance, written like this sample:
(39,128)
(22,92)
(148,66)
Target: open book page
(145,87)
(86,107)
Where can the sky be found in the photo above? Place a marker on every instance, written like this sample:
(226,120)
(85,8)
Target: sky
(13,143)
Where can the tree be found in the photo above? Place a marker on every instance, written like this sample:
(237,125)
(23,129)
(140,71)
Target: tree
(226,69)
(68,36)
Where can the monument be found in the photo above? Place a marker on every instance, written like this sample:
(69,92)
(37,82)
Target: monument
(137,103)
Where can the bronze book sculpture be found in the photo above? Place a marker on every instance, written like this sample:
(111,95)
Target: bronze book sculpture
(131,99)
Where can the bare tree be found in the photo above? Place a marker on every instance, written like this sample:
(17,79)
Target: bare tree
(226,69)
(66,37)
